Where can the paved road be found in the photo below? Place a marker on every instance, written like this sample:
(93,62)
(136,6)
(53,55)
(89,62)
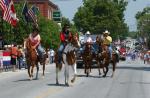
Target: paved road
(131,80)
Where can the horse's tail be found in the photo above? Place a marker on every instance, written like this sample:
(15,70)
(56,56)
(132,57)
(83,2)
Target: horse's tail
(59,66)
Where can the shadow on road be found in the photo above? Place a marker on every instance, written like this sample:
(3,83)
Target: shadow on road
(134,68)
(61,85)
(91,76)
(144,83)
(21,80)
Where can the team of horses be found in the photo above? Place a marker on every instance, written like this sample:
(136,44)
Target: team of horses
(101,56)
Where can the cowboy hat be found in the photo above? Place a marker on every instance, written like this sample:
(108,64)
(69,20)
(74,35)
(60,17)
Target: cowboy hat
(88,32)
(106,32)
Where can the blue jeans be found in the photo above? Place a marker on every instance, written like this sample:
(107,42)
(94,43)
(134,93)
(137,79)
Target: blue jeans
(40,50)
(60,50)
(110,50)
(20,62)
(51,59)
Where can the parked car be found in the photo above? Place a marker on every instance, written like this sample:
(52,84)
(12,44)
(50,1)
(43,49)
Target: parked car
(122,53)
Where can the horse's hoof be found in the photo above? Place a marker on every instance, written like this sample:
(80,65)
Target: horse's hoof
(99,74)
(87,74)
(67,84)
(104,76)
(36,78)
(57,83)
(30,78)
(72,81)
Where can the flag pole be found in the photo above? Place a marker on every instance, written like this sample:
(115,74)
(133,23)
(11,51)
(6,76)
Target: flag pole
(1,17)
(1,31)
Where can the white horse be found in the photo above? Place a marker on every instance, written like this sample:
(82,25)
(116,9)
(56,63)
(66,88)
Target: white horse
(69,59)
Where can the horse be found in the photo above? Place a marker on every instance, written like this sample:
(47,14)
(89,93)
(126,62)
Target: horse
(103,58)
(87,58)
(69,59)
(33,59)
(98,57)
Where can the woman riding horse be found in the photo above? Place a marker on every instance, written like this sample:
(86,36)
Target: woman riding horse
(34,51)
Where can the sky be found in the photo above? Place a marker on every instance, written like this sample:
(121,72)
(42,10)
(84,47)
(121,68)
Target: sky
(70,7)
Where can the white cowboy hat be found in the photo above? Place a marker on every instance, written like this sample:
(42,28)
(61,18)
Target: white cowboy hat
(106,32)
(88,32)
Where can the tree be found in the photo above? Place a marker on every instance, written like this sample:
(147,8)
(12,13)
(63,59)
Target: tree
(143,24)
(48,29)
(65,21)
(99,15)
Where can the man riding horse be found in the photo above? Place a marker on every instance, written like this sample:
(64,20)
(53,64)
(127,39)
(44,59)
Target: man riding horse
(88,41)
(65,37)
(88,52)
(107,40)
(67,54)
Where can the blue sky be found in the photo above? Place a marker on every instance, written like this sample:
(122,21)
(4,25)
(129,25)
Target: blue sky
(69,7)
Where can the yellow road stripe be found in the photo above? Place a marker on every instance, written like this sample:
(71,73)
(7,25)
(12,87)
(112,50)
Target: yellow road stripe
(48,92)
(54,90)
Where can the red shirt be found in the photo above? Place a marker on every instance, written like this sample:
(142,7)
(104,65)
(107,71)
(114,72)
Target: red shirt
(63,36)
(14,52)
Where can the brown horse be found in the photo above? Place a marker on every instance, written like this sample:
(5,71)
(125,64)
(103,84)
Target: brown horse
(69,59)
(33,59)
(98,55)
(103,58)
(87,58)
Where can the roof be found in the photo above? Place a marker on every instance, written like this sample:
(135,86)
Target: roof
(40,1)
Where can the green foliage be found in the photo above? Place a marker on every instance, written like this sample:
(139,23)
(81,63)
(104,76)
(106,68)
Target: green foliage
(65,21)
(133,34)
(143,23)
(48,29)
(99,15)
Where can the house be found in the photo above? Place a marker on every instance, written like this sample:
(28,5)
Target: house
(46,7)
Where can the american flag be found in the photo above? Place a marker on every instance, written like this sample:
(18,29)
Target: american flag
(4,4)
(25,12)
(32,13)
(9,14)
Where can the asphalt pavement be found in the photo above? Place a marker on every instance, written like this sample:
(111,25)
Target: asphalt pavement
(131,80)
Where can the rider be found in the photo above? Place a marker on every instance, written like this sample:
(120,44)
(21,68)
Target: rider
(65,37)
(88,40)
(107,40)
(35,40)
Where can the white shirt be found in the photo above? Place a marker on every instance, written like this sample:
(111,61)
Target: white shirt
(88,39)
(51,52)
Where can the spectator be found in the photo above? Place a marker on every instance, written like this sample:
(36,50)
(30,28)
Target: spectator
(51,56)
(146,57)
(14,53)
(20,57)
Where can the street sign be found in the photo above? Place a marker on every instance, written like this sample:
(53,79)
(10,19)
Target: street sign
(57,16)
